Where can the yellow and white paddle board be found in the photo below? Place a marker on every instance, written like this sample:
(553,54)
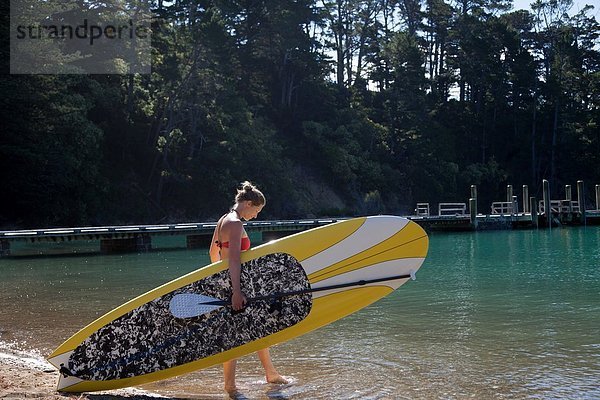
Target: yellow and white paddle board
(294,285)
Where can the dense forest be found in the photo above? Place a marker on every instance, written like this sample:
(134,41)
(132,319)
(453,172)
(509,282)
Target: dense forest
(333,107)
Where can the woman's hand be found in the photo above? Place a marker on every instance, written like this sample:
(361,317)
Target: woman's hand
(238,300)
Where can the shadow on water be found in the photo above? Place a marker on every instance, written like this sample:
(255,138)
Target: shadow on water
(274,393)
(277,393)
(237,395)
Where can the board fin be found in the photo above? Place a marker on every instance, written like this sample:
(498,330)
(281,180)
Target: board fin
(65,378)
(66,382)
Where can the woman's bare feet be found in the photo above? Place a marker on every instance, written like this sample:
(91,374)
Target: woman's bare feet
(276,378)
(230,389)
(270,371)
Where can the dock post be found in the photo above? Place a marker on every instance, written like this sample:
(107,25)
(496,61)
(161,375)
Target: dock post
(474,197)
(597,197)
(515,205)
(569,198)
(534,211)
(143,243)
(581,200)
(547,209)
(4,247)
(473,212)
(526,199)
(509,193)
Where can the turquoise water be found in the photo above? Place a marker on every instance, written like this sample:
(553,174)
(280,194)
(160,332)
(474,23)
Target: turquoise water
(502,315)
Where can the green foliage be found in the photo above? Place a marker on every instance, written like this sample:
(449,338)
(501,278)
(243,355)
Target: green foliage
(334,108)
(50,155)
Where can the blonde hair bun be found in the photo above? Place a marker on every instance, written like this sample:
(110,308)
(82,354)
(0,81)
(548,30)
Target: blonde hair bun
(250,192)
(247,186)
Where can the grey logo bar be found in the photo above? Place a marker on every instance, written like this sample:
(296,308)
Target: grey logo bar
(80,37)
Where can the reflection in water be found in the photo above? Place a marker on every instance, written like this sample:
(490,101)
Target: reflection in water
(491,315)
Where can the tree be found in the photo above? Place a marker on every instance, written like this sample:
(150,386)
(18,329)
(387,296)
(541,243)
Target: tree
(439,21)
(565,47)
(50,156)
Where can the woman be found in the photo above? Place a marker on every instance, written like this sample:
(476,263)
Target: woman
(229,240)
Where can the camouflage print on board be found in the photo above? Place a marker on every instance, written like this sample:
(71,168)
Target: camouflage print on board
(150,338)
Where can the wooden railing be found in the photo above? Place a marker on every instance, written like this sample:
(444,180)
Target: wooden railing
(560,206)
(452,209)
(422,210)
(505,208)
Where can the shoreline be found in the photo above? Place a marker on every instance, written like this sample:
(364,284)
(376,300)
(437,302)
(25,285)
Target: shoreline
(24,376)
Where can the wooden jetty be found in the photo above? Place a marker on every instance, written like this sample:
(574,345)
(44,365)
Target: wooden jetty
(507,214)
(138,238)
(450,217)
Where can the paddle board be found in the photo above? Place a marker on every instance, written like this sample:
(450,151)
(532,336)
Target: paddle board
(294,285)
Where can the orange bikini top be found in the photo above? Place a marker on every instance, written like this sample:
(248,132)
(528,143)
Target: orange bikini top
(245,244)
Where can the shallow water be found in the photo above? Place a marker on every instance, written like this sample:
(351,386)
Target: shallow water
(503,315)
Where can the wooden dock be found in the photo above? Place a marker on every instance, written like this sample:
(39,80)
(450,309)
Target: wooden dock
(508,214)
(450,217)
(138,238)
(457,223)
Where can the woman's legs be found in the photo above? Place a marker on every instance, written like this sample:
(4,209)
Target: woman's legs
(270,372)
(229,375)
(265,358)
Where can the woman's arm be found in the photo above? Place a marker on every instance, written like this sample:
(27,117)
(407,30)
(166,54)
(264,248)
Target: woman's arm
(213,251)
(234,230)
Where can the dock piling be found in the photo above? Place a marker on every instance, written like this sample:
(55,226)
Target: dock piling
(534,211)
(568,198)
(581,200)
(4,248)
(597,197)
(526,207)
(547,209)
(509,193)
(473,205)
(473,211)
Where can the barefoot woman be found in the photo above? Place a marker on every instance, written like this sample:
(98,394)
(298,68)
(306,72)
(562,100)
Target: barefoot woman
(229,240)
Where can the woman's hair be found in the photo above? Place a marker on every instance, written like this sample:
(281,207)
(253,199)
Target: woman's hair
(249,192)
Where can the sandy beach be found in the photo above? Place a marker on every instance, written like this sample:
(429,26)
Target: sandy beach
(24,377)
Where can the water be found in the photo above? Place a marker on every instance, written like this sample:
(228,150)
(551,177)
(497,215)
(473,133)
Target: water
(501,315)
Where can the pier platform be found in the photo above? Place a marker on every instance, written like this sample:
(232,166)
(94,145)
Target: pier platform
(451,217)
(139,238)
(496,222)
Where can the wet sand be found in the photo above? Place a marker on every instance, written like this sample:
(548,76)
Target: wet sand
(28,378)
